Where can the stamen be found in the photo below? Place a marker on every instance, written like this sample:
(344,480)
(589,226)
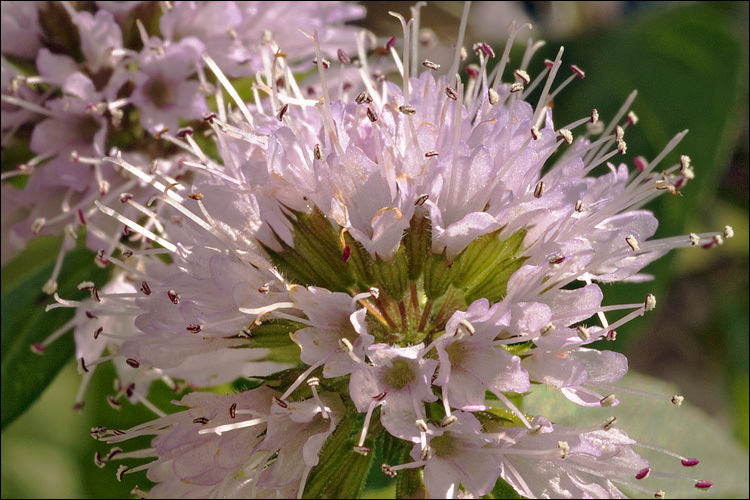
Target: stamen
(313,383)
(218,430)
(360,448)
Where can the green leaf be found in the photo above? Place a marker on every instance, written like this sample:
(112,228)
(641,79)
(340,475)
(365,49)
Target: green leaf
(686,430)
(342,472)
(25,374)
(503,490)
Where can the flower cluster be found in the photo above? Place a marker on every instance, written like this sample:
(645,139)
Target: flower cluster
(391,266)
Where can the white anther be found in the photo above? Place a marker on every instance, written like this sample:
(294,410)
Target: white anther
(564,448)
(619,133)
(467,326)
(632,242)
(567,135)
(492,96)
(650,302)
(608,400)
(523,76)
(546,329)
(344,343)
(609,423)
(583,333)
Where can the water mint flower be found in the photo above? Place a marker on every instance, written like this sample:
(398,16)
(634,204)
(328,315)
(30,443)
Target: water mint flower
(85,106)
(393,269)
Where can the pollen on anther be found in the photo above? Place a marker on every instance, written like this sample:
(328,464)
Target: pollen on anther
(660,494)
(448,420)
(567,135)
(564,448)
(133,363)
(632,118)
(388,470)
(579,206)
(318,152)
(547,329)
(556,259)
(632,242)
(430,65)
(37,225)
(362,450)
(535,133)
(728,232)
(173,297)
(650,302)
(594,116)
(677,400)
(184,132)
(195,196)
(523,76)
(98,460)
(344,342)
(325,62)
(583,333)
(467,326)
(193,328)
(619,133)
(113,402)
(515,87)
(492,96)
(451,93)
(120,471)
(407,110)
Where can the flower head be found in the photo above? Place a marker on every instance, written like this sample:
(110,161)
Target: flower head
(419,253)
